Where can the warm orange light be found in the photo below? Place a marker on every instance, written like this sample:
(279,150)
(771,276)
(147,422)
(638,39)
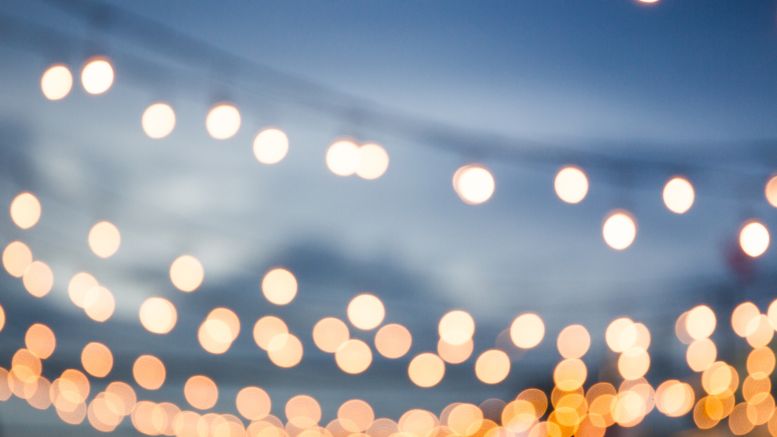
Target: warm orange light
(97,75)
(573,341)
(279,286)
(201,392)
(619,230)
(527,330)
(158,315)
(366,311)
(754,238)
(474,184)
(25,210)
(393,341)
(353,356)
(492,366)
(186,273)
(426,370)
(571,184)
(329,333)
(456,327)
(17,256)
(97,359)
(149,372)
(253,403)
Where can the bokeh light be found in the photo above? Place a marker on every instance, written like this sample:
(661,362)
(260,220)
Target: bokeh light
(149,372)
(78,287)
(353,356)
(366,311)
(40,340)
(158,120)
(571,184)
(492,366)
(97,359)
(17,256)
(393,341)
(355,415)
(527,330)
(285,350)
(99,303)
(426,370)
(678,195)
(271,146)
(342,158)
(474,184)
(754,238)
(38,279)
(25,210)
(373,161)
(223,121)
(770,190)
(303,411)
(456,327)
(104,239)
(619,230)
(329,333)
(279,286)
(186,273)
(97,75)
(266,328)
(455,354)
(158,315)
(253,403)
(201,392)
(56,82)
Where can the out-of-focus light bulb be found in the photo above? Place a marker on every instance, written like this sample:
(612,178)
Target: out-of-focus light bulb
(223,121)
(754,238)
(678,195)
(342,158)
(571,184)
(474,184)
(373,161)
(619,230)
(56,82)
(104,239)
(271,146)
(158,120)
(97,75)
(770,191)
(25,210)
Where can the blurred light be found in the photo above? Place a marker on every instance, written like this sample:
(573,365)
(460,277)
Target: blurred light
(742,317)
(271,146)
(285,350)
(38,279)
(527,330)
(104,239)
(355,415)
(426,370)
(678,195)
(99,304)
(570,374)
(25,210)
(761,362)
(754,238)
(266,328)
(770,191)
(40,340)
(492,366)
(2,318)
(279,286)
(223,121)
(158,120)
(465,419)
(418,422)
(56,82)
(158,315)
(366,311)
(719,378)
(186,273)
(97,75)
(149,372)
(393,341)
(201,392)
(97,359)
(353,356)
(674,398)
(701,354)
(455,354)
(573,341)
(474,184)
(342,158)
(633,363)
(78,286)
(760,331)
(456,327)
(253,403)
(700,322)
(619,230)
(17,256)
(571,184)
(373,161)
(303,411)
(329,333)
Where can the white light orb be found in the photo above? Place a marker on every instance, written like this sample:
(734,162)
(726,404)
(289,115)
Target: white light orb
(97,75)
(474,184)
(56,82)
(223,121)
(342,158)
(571,184)
(619,230)
(158,120)
(770,191)
(271,146)
(754,238)
(373,161)
(678,195)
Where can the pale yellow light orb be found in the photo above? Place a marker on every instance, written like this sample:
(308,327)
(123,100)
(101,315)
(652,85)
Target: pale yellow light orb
(97,359)
(678,195)
(426,370)
(79,285)
(56,82)
(492,366)
(619,230)
(474,184)
(571,184)
(456,327)
(329,333)
(366,311)
(17,256)
(104,239)
(285,350)
(393,340)
(353,356)
(266,328)
(253,403)
(99,304)
(373,161)
(201,392)
(271,146)
(355,415)
(186,273)
(573,341)
(342,158)
(158,120)
(700,322)
(25,210)
(303,411)
(158,315)
(38,279)
(223,121)
(770,190)
(97,75)
(279,286)
(754,238)
(527,330)
(455,354)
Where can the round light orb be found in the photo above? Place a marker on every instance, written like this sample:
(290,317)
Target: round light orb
(456,327)
(342,158)
(492,366)
(573,341)
(149,372)
(223,121)
(97,75)
(40,340)
(527,330)
(571,184)
(104,239)
(754,238)
(271,146)
(158,120)
(253,403)
(266,328)
(474,184)
(38,279)
(279,286)
(394,340)
(329,333)
(303,411)
(25,210)
(619,230)
(373,161)
(99,304)
(366,311)
(285,350)
(56,82)
(455,354)
(158,315)
(16,257)
(353,356)
(770,191)
(678,195)
(97,359)
(426,370)
(187,273)
(201,392)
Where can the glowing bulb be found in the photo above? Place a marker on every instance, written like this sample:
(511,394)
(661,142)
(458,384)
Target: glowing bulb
(456,327)
(56,82)
(373,161)
(158,120)
(104,239)
(678,195)
(492,366)
(426,370)
(186,273)
(38,279)
(16,257)
(770,191)
(619,230)
(754,238)
(279,286)
(97,75)
(158,315)
(394,340)
(571,184)
(474,184)
(25,210)
(271,146)
(149,372)
(366,311)
(201,392)
(223,121)
(342,158)
(253,403)
(353,356)
(527,330)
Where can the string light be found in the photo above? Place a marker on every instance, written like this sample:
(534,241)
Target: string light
(619,230)
(571,184)
(754,238)
(158,120)
(56,82)
(474,184)
(271,146)
(678,195)
(223,121)
(16,257)
(97,75)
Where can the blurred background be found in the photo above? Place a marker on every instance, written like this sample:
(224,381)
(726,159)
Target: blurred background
(631,92)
